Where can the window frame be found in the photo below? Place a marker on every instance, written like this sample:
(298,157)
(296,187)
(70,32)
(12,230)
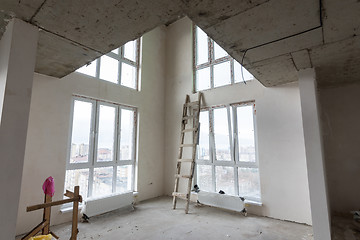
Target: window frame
(121,59)
(211,63)
(93,143)
(234,146)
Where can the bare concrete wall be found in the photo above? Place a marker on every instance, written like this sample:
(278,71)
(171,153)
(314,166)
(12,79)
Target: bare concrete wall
(49,123)
(340,108)
(283,173)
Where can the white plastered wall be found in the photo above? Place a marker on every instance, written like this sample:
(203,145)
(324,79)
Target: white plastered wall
(283,173)
(48,133)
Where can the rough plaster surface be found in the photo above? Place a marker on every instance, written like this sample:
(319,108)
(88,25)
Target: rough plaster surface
(155,219)
(340,114)
(49,123)
(283,173)
(283,26)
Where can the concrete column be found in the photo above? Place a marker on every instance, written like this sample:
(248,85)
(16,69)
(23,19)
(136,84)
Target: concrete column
(314,155)
(17,61)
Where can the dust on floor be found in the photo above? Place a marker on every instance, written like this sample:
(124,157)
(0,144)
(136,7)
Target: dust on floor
(155,219)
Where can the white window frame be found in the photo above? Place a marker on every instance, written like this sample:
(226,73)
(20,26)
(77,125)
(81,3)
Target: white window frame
(234,146)
(92,163)
(211,63)
(121,59)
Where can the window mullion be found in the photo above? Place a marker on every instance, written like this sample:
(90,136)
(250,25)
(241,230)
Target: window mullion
(232,73)
(97,73)
(134,150)
(212,155)
(235,148)
(211,59)
(93,146)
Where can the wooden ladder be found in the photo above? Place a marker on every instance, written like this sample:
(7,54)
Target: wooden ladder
(189,124)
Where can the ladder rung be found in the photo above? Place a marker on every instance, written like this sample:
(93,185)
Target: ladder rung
(182,176)
(189,130)
(187,145)
(185,160)
(192,103)
(189,117)
(177,194)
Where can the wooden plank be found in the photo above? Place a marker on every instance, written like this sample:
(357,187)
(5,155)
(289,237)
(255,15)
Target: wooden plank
(46,215)
(189,117)
(69,194)
(45,205)
(35,230)
(177,194)
(74,229)
(182,176)
(189,130)
(185,160)
(54,235)
(187,145)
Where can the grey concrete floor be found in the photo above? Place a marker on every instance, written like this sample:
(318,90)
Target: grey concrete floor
(155,219)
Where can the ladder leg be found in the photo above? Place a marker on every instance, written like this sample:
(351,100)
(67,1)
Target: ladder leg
(176,187)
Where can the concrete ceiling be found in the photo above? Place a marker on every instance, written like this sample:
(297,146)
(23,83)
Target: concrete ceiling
(278,37)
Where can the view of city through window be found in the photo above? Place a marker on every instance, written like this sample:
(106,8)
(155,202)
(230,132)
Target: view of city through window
(227,152)
(120,66)
(102,150)
(213,66)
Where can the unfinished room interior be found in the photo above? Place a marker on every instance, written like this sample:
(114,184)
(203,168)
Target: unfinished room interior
(203,119)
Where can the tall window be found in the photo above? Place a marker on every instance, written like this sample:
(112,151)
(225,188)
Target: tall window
(120,66)
(101,156)
(226,158)
(213,66)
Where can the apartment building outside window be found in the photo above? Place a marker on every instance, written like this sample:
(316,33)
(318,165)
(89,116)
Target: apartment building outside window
(213,66)
(120,66)
(101,156)
(227,153)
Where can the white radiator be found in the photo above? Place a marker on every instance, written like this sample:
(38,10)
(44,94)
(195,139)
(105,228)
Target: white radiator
(98,206)
(222,201)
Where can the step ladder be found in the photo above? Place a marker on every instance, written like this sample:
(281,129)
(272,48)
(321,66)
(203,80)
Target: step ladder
(189,125)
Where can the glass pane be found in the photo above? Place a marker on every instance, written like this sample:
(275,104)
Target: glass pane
(203,147)
(128,75)
(225,179)
(219,52)
(130,50)
(79,152)
(106,133)
(116,51)
(89,70)
(237,73)
(202,48)
(124,179)
(249,183)
(102,184)
(222,74)
(204,178)
(203,79)
(246,137)
(127,134)
(78,177)
(109,69)
(221,134)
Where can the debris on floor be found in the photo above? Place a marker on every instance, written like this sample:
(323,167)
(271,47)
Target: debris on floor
(221,192)
(196,188)
(85,218)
